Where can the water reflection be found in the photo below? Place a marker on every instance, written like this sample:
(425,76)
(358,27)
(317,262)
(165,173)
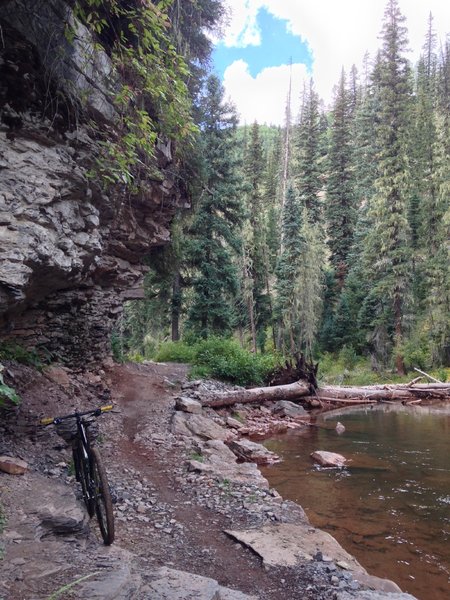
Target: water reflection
(391,506)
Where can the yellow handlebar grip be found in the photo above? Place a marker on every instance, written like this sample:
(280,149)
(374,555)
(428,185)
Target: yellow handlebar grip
(46,421)
(105,408)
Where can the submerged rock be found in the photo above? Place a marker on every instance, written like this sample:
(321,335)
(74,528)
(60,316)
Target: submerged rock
(328,459)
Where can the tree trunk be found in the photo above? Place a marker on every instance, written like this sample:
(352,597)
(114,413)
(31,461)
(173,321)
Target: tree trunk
(370,394)
(176,305)
(278,392)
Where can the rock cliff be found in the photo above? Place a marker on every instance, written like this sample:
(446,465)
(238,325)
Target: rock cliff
(70,254)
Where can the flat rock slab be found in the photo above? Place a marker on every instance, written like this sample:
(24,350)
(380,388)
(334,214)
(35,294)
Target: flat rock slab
(179,585)
(375,595)
(285,545)
(188,424)
(118,582)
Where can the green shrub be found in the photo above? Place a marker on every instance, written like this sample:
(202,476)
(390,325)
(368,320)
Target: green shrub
(220,358)
(175,352)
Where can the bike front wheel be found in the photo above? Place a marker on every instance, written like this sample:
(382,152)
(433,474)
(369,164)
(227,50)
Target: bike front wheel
(102,497)
(82,472)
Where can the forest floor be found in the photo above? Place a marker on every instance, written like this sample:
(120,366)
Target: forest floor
(166,516)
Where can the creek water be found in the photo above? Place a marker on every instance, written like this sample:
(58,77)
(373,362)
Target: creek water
(390,508)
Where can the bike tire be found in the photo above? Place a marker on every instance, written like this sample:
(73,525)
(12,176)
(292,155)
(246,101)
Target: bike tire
(83,476)
(102,497)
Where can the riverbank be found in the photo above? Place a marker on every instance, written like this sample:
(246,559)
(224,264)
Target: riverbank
(190,518)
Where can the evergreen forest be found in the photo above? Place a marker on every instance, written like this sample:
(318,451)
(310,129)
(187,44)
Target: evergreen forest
(328,236)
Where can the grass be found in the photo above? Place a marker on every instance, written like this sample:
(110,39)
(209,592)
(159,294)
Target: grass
(348,369)
(65,588)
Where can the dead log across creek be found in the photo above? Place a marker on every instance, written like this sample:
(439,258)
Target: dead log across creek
(292,391)
(370,394)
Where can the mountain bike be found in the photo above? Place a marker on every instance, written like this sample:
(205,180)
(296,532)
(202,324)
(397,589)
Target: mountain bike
(89,469)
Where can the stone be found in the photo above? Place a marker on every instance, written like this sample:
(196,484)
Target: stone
(197,425)
(119,582)
(171,584)
(328,459)
(13,466)
(253,452)
(219,461)
(339,428)
(233,423)
(188,405)
(285,545)
(284,408)
(375,595)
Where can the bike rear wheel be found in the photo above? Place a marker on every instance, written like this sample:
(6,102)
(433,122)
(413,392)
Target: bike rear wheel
(102,497)
(82,473)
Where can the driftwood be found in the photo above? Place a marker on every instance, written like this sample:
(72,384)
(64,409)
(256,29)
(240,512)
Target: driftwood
(370,394)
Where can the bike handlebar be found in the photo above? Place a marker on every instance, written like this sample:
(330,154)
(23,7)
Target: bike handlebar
(95,413)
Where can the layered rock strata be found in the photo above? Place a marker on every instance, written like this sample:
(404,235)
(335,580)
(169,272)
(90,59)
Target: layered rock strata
(69,253)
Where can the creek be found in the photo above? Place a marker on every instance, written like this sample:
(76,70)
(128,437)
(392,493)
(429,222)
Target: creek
(390,508)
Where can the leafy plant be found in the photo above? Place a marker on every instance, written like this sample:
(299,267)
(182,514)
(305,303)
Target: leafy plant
(220,358)
(14,351)
(7,392)
(150,95)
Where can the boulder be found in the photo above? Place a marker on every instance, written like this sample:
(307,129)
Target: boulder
(179,585)
(284,408)
(197,425)
(253,452)
(328,459)
(188,405)
(13,466)
(218,460)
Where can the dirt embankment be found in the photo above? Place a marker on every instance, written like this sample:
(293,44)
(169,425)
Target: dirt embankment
(172,505)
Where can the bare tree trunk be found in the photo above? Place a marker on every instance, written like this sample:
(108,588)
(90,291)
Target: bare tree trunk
(176,304)
(278,392)
(370,394)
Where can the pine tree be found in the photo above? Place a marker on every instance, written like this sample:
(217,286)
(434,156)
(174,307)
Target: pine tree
(387,254)
(215,239)
(287,272)
(340,196)
(307,173)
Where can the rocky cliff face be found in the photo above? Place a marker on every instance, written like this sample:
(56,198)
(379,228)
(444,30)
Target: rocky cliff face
(69,253)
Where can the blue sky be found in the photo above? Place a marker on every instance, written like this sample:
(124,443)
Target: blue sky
(278,46)
(320,36)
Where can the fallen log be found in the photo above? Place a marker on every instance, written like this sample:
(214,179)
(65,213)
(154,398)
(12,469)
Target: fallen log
(370,394)
(291,391)
(399,391)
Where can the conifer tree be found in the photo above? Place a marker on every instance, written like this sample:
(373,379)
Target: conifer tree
(287,272)
(387,251)
(340,196)
(215,232)
(308,153)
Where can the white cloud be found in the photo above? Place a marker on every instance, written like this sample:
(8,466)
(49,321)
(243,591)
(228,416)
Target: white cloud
(338,32)
(263,98)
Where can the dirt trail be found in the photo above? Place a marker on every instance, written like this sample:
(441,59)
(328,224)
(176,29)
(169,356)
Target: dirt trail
(165,515)
(145,397)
